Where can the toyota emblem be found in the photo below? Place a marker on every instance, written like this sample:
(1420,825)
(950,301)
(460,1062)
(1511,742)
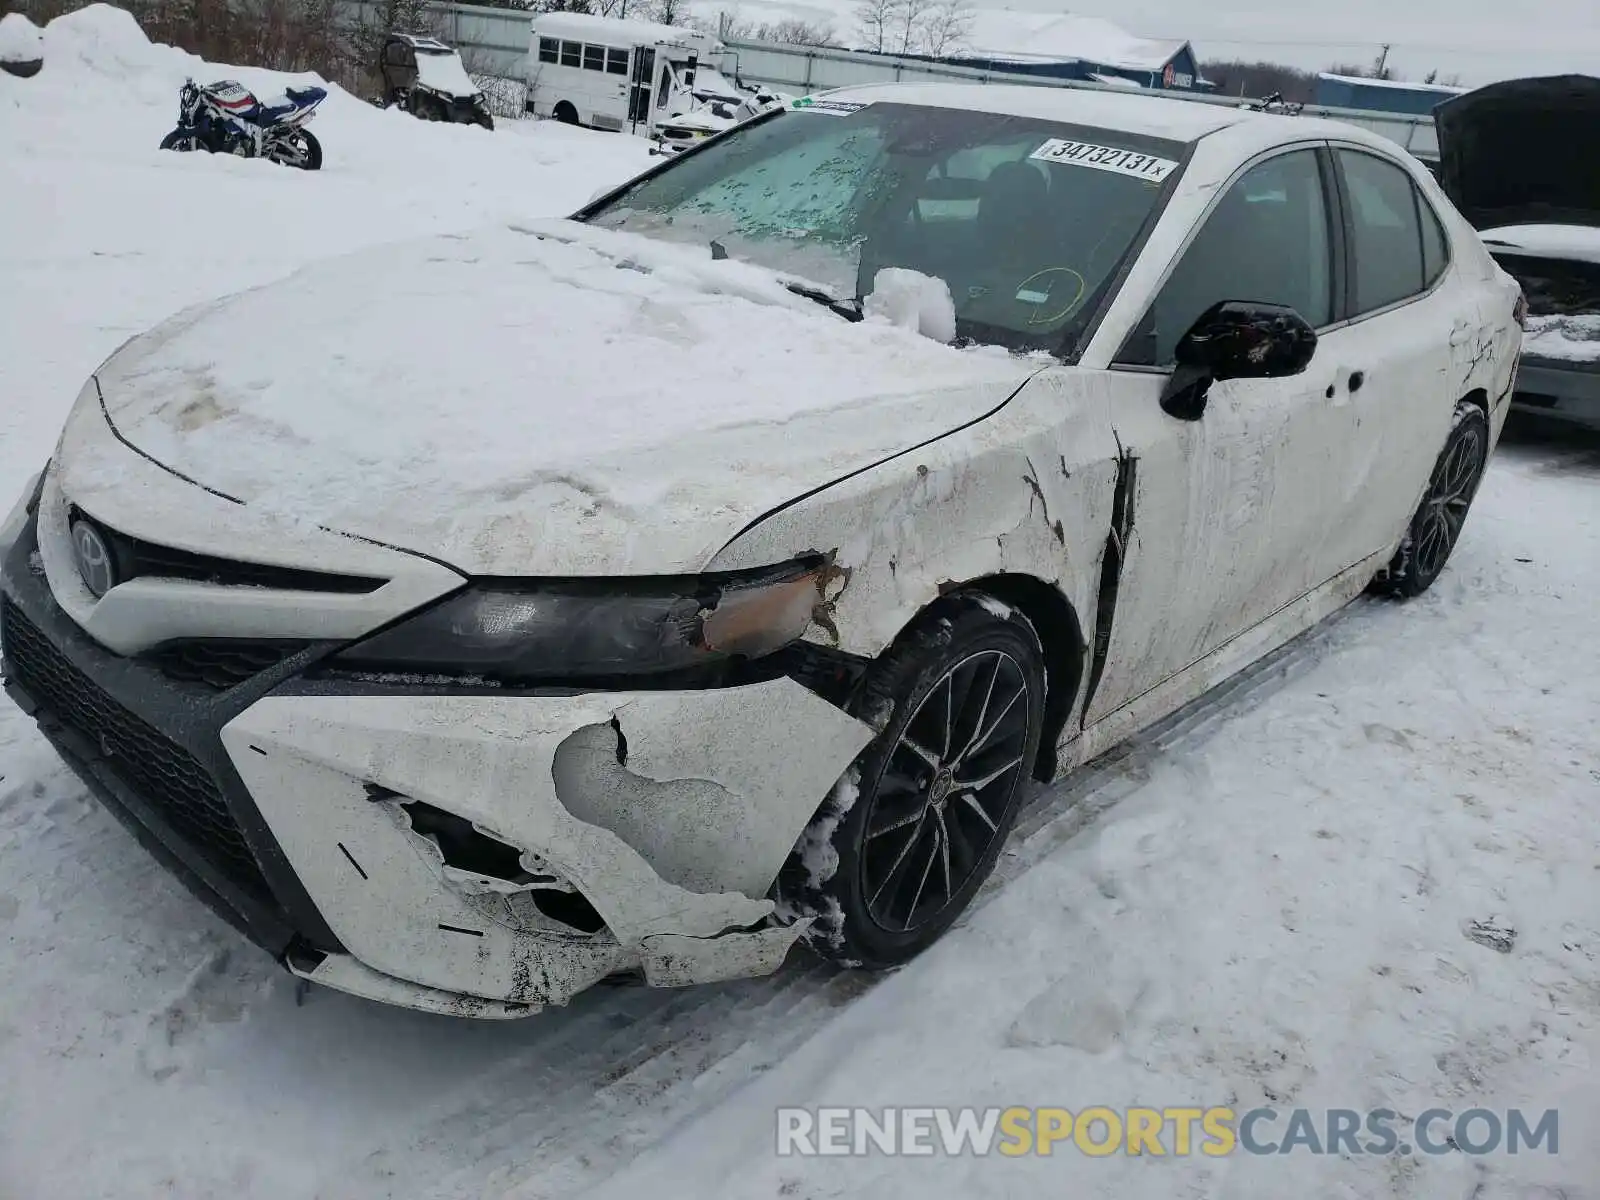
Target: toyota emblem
(94,558)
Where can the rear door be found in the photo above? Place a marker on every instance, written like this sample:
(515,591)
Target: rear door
(1395,357)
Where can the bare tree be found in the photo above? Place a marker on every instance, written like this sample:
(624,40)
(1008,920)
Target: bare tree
(946,28)
(669,12)
(875,22)
(909,18)
(1235,77)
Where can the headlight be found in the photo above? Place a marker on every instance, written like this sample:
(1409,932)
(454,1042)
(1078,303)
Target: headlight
(574,630)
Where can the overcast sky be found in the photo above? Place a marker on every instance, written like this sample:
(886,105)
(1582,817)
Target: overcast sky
(1481,40)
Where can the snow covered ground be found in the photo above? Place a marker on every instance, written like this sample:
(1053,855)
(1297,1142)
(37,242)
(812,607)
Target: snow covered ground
(1263,902)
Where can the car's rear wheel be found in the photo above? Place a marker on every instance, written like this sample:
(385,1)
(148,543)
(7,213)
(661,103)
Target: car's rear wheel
(900,849)
(1436,527)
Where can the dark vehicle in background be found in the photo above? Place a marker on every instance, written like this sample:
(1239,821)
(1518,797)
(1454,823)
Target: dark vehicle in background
(424,77)
(1521,160)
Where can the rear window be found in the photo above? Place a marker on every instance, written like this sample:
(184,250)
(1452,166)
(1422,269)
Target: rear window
(1025,221)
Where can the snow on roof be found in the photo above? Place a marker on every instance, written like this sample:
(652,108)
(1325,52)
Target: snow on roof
(1400,84)
(1119,81)
(608,31)
(20,39)
(1002,34)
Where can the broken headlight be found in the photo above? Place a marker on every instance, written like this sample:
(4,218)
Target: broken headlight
(569,630)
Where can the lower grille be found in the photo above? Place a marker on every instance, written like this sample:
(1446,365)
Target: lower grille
(163,774)
(221,664)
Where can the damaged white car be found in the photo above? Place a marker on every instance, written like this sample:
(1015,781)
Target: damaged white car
(731,560)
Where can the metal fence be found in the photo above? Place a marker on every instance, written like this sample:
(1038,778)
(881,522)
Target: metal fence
(494,41)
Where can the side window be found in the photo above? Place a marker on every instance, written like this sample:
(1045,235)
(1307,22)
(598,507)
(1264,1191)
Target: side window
(549,50)
(1388,241)
(571,54)
(1267,240)
(616,62)
(594,58)
(1435,246)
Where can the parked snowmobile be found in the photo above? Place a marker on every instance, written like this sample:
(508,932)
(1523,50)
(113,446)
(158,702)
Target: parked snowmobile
(424,77)
(227,118)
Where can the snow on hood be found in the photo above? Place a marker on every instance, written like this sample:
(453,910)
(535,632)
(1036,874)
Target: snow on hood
(444,73)
(1523,152)
(548,399)
(1578,243)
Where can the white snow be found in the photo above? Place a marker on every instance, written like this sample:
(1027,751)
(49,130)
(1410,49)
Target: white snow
(444,73)
(1406,85)
(1569,338)
(1578,242)
(1271,900)
(613,31)
(911,300)
(21,41)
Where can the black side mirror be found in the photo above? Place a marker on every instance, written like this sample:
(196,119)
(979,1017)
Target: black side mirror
(1236,340)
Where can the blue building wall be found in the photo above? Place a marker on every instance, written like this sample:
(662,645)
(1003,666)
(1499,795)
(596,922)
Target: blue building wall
(1419,99)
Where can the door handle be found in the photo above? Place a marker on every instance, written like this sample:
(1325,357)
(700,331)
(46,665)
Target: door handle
(1357,378)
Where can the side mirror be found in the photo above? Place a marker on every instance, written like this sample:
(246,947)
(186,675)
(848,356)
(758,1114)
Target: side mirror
(1236,340)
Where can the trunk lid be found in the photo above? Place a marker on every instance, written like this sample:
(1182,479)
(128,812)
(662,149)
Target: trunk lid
(1522,152)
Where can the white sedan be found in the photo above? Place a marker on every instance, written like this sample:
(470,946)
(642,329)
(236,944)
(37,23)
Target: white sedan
(635,595)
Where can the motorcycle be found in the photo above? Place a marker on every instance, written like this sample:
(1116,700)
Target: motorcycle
(227,118)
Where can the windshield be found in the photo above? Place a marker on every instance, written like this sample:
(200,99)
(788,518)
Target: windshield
(1025,221)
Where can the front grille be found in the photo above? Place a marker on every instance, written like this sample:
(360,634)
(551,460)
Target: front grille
(162,773)
(136,558)
(221,664)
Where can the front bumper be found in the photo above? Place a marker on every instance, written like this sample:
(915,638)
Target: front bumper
(291,806)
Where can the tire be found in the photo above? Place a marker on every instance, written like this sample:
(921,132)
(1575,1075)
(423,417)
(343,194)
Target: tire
(1436,526)
(565,113)
(309,160)
(177,141)
(877,894)
(482,118)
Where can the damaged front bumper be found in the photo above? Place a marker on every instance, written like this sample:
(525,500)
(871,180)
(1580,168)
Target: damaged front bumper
(480,854)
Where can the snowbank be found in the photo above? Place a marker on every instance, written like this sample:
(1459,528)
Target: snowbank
(21,41)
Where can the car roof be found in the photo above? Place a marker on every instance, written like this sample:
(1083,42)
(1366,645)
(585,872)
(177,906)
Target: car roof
(1151,115)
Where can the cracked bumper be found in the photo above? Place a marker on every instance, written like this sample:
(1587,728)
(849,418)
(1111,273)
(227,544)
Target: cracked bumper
(280,803)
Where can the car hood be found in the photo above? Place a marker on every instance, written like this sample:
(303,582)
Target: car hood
(547,399)
(1523,152)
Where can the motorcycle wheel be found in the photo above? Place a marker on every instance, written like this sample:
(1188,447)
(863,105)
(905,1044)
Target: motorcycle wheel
(177,140)
(483,118)
(308,151)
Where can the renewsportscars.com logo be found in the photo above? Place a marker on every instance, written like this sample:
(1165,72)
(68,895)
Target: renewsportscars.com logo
(1177,1132)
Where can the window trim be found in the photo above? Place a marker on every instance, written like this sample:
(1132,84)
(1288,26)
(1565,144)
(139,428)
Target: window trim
(1336,247)
(1352,317)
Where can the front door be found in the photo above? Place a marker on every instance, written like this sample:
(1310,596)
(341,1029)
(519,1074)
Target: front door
(1227,519)
(641,85)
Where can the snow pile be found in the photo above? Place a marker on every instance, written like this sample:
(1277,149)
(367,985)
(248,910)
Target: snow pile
(914,301)
(21,41)
(1025,37)
(1568,338)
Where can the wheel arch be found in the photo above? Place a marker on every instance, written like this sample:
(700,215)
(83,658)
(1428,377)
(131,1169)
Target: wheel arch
(1061,639)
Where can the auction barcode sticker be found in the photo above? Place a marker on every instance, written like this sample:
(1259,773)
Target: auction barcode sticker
(1106,158)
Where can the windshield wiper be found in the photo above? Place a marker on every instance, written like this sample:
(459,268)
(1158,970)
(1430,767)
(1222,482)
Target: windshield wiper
(850,310)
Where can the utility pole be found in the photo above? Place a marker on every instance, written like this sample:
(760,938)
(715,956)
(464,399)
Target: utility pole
(1381,71)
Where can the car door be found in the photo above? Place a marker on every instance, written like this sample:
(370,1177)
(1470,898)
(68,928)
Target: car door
(1394,357)
(1228,519)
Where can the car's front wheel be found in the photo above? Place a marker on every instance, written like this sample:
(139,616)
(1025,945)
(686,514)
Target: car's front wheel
(1437,524)
(900,849)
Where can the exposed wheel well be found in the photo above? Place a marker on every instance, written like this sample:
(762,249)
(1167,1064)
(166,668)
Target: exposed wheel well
(565,112)
(1479,397)
(1061,633)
